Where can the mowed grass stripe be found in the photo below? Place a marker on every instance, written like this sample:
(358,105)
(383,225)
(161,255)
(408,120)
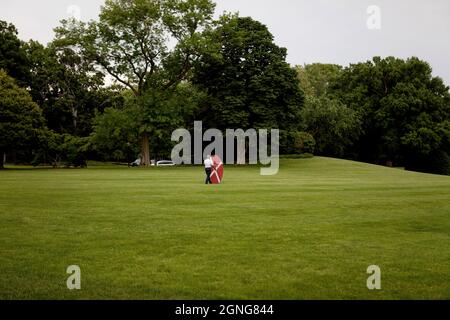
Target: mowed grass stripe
(309,232)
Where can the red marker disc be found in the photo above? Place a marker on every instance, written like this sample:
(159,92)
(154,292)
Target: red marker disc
(217,170)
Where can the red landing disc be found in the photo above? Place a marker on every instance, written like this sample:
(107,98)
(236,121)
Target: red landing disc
(217,170)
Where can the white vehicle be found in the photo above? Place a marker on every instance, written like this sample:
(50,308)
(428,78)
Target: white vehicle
(165,163)
(137,163)
(162,163)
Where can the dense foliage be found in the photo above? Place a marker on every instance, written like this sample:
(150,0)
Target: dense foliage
(21,120)
(131,43)
(248,81)
(13,58)
(405,112)
(114,89)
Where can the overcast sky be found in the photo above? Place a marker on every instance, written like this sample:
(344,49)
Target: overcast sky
(328,31)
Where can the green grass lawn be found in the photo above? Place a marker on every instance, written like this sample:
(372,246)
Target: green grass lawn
(309,232)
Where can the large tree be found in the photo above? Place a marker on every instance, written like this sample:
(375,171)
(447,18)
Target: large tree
(145,45)
(116,132)
(21,120)
(66,87)
(333,125)
(249,82)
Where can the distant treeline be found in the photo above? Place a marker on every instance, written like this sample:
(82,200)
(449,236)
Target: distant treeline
(116,88)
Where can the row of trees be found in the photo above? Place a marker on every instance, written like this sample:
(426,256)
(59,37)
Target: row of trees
(116,88)
(387,111)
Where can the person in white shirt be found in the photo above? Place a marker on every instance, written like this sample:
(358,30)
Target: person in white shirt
(208,169)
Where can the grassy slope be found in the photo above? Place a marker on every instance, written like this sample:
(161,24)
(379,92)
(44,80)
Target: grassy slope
(309,232)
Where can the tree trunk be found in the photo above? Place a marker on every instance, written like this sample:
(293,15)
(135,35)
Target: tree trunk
(2,158)
(74,118)
(145,150)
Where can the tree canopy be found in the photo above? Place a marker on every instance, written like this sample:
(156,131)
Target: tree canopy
(405,111)
(13,58)
(315,79)
(247,79)
(115,88)
(144,45)
(333,126)
(21,120)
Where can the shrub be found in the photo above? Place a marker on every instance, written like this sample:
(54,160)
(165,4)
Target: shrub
(437,162)
(304,143)
(62,148)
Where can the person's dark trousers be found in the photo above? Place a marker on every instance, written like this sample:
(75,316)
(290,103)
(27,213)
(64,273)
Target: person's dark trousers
(208,176)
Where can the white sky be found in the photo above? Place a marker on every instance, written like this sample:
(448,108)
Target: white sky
(328,31)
